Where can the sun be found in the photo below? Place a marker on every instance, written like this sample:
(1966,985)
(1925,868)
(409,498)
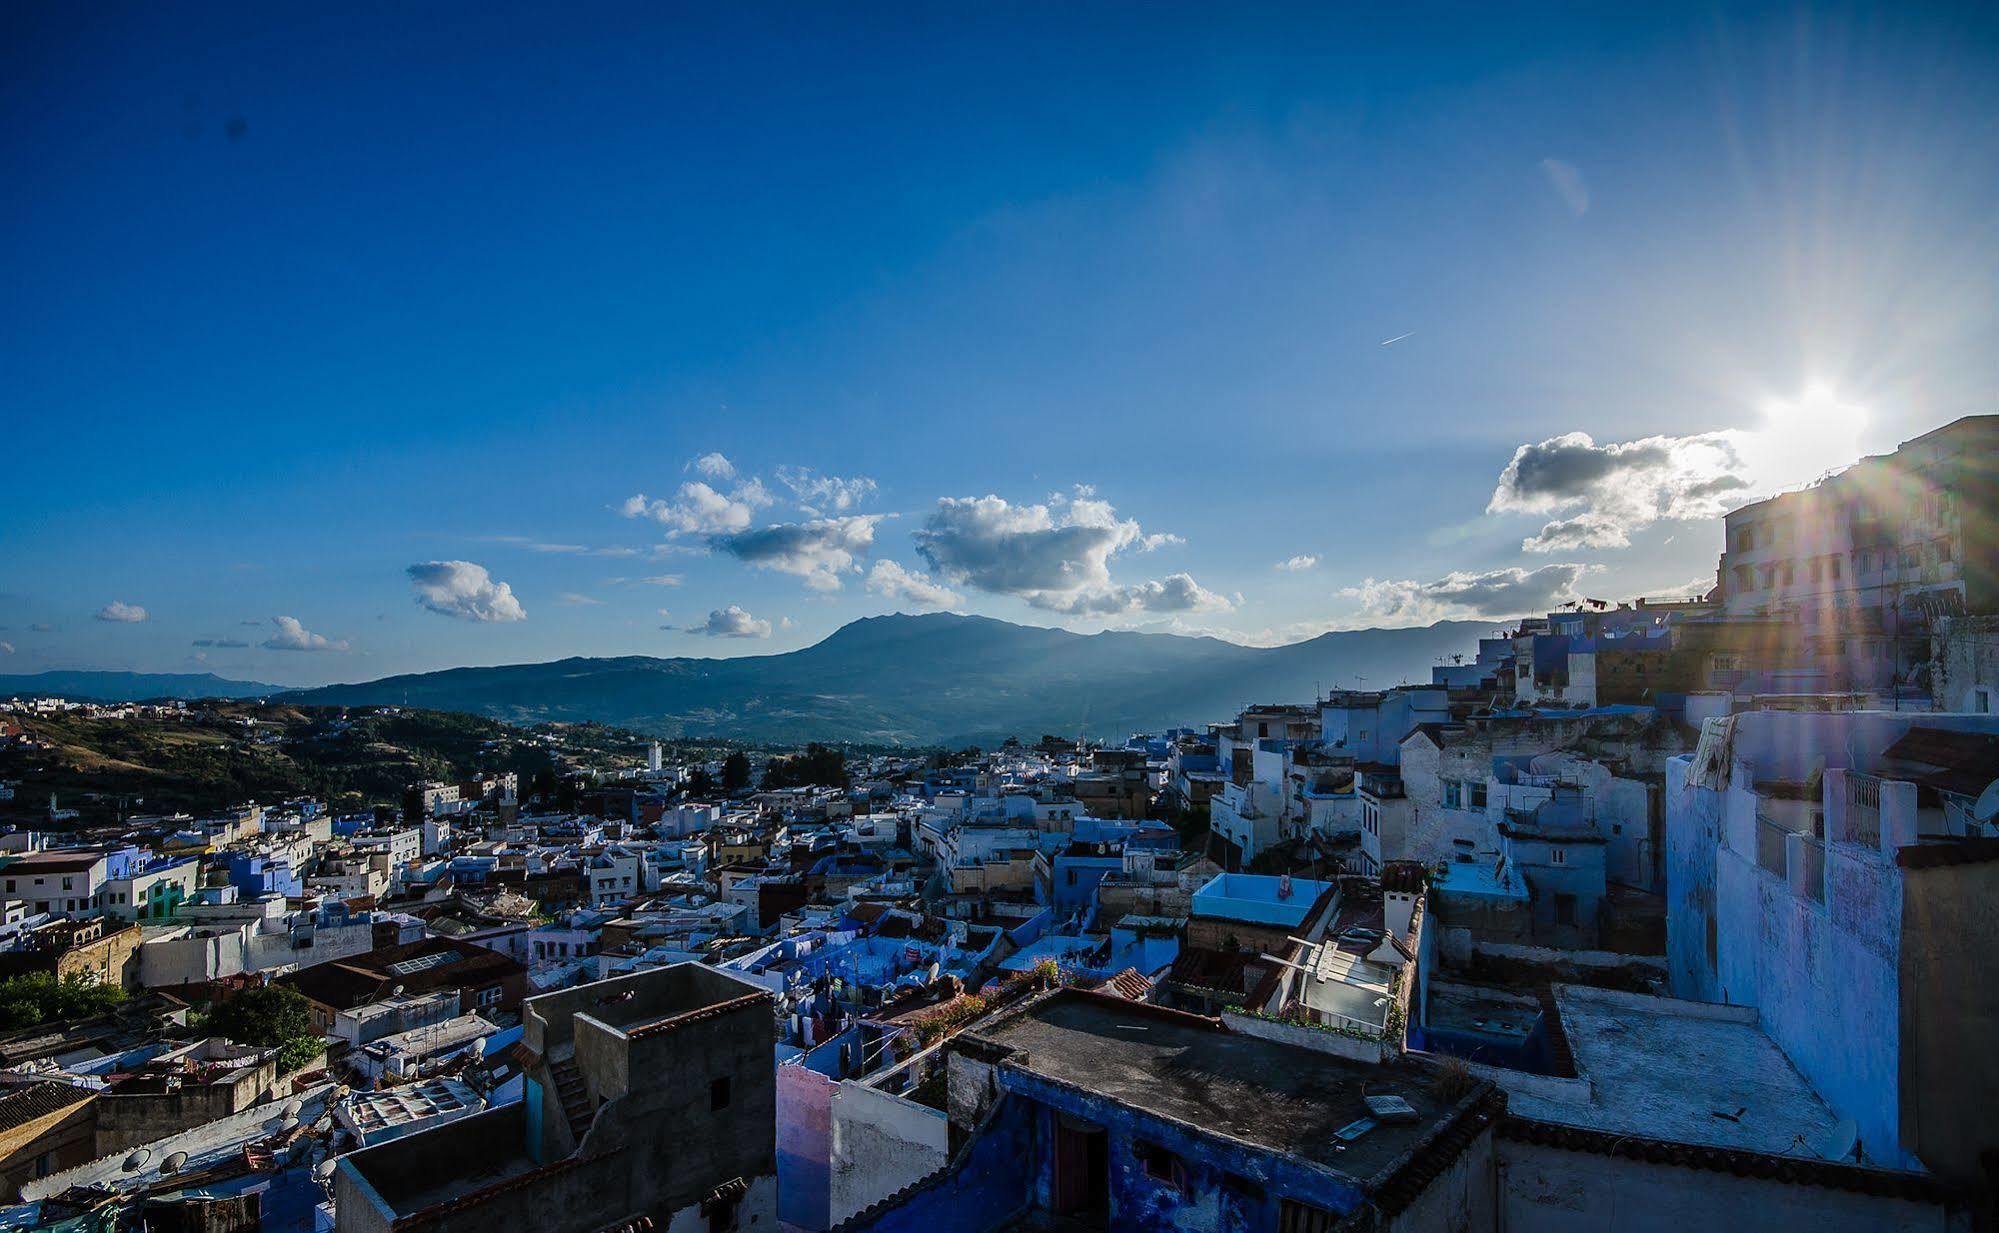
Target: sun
(1804,436)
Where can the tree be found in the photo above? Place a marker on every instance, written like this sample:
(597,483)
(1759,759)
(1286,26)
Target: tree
(275,1016)
(816,764)
(736,772)
(37,998)
(700,782)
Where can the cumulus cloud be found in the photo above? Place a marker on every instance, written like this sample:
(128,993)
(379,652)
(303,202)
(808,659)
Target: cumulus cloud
(6,648)
(1608,492)
(292,636)
(714,466)
(577,599)
(1496,593)
(1173,593)
(817,494)
(464,590)
(1568,184)
(891,580)
(819,551)
(1053,555)
(220,644)
(731,622)
(123,613)
(1298,564)
(698,509)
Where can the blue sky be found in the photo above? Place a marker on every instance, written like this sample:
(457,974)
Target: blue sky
(357,319)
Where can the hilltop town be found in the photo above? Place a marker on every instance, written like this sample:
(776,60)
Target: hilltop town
(1636,914)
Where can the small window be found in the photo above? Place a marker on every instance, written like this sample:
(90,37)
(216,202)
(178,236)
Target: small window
(1478,795)
(1162,1166)
(1296,1217)
(718,1094)
(1836,566)
(1558,856)
(1453,794)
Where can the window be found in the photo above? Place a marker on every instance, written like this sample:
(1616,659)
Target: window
(718,1094)
(69,883)
(1558,856)
(1263,729)
(1745,578)
(1477,795)
(489,996)
(1565,909)
(1817,568)
(1162,1166)
(1836,564)
(1296,1217)
(1453,794)
(1790,572)
(1943,551)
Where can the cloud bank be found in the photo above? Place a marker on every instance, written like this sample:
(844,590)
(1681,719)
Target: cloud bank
(1497,593)
(1608,492)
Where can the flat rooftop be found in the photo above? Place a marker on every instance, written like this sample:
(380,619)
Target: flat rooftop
(1216,1081)
(1260,899)
(1688,1072)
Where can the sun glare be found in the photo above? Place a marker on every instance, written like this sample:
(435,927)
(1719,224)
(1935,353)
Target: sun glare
(1803,437)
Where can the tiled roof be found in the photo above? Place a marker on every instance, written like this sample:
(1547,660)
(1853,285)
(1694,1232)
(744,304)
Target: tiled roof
(38,1100)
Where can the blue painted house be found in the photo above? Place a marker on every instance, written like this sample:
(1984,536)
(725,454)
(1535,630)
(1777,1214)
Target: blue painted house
(1084,1110)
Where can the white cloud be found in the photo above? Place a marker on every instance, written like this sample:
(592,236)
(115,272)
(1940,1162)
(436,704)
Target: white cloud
(731,622)
(1496,593)
(221,643)
(464,590)
(6,648)
(1054,556)
(292,636)
(714,466)
(1298,564)
(819,551)
(818,494)
(1165,539)
(1568,183)
(1173,593)
(1608,492)
(891,580)
(698,509)
(662,580)
(577,599)
(122,613)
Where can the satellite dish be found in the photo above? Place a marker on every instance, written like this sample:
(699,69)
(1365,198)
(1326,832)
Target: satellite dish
(1842,1142)
(1986,808)
(137,1160)
(294,1108)
(174,1163)
(324,1169)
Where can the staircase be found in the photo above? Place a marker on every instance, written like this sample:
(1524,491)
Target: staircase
(574,1097)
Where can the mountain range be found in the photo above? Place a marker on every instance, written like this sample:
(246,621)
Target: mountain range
(130,686)
(935,679)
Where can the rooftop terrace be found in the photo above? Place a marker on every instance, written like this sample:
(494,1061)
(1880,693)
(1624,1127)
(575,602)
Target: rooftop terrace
(1216,1081)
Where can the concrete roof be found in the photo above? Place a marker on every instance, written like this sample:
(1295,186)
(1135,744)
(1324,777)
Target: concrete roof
(1216,1081)
(1687,1072)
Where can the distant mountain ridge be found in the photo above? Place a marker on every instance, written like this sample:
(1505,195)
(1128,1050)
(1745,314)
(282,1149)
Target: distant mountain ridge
(935,679)
(131,686)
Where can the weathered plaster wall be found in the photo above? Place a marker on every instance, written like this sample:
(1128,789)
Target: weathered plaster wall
(804,1146)
(879,1144)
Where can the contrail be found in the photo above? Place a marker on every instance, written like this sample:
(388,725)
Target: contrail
(1398,338)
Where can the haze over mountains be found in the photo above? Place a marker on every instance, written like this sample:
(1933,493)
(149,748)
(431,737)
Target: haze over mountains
(132,686)
(933,679)
(914,680)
